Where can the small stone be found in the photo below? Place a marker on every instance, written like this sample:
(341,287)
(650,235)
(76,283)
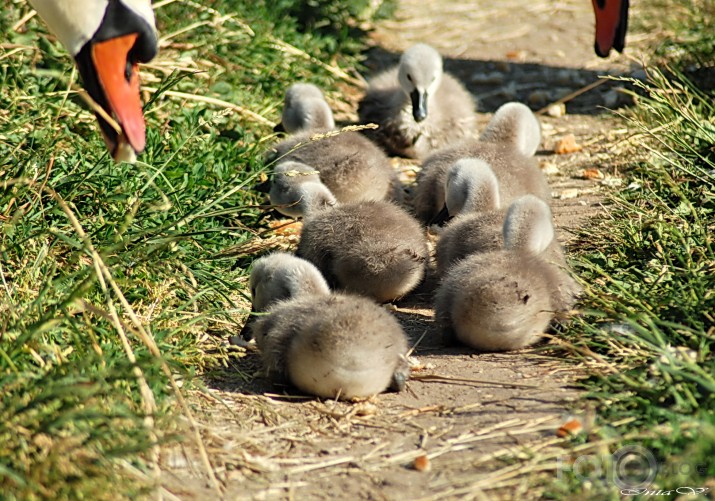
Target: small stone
(556,110)
(509,91)
(538,97)
(635,185)
(564,77)
(502,66)
(612,182)
(569,193)
(549,168)
(570,428)
(610,99)
(560,92)
(640,74)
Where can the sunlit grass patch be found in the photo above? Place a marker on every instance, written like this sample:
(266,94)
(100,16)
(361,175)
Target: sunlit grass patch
(115,276)
(649,311)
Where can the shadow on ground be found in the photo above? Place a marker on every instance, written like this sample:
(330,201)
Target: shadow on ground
(494,83)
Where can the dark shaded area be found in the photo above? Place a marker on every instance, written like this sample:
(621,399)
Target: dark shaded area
(494,83)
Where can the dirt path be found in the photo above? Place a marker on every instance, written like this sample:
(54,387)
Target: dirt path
(266,444)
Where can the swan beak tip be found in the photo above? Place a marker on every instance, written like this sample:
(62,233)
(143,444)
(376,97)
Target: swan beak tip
(119,81)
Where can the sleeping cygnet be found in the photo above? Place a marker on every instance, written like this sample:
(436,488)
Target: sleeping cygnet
(474,198)
(417,106)
(305,109)
(279,276)
(374,249)
(507,146)
(296,190)
(506,298)
(350,165)
(515,124)
(333,346)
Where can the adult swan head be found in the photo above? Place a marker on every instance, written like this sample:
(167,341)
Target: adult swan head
(108,38)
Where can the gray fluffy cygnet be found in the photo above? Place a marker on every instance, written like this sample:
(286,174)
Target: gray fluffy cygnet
(349,164)
(417,106)
(507,145)
(328,345)
(374,249)
(504,299)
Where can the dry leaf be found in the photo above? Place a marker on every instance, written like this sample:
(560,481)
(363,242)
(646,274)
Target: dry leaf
(592,173)
(518,55)
(570,427)
(422,463)
(567,144)
(283,227)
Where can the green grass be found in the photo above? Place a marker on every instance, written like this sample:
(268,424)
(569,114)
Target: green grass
(74,407)
(685,36)
(648,329)
(92,252)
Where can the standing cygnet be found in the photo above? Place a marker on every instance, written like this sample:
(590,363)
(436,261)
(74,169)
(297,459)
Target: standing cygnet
(296,190)
(505,299)
(305,109)
(279,276)
(508,145)
(478,232)
(375,248)
(350,165)
(333,346)
(417,106)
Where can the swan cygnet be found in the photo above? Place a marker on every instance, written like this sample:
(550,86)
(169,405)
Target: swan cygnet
(514,123)
(417,106)
(471,186)
(279,276)
(350,165)
(305,109)
(373,248)
(512,133)
(472,197)
(506,298)
(333,346)
(296,190)
(477,232)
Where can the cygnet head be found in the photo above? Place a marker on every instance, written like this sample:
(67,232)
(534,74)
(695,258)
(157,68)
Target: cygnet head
(280,275)
(420,73)
(471,186)
(528,225)
(515,124)
(296,190)
(305,109)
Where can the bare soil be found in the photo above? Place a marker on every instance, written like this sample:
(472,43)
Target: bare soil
(468,413)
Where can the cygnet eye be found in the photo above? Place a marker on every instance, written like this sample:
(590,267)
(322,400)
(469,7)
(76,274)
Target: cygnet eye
(409,77)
